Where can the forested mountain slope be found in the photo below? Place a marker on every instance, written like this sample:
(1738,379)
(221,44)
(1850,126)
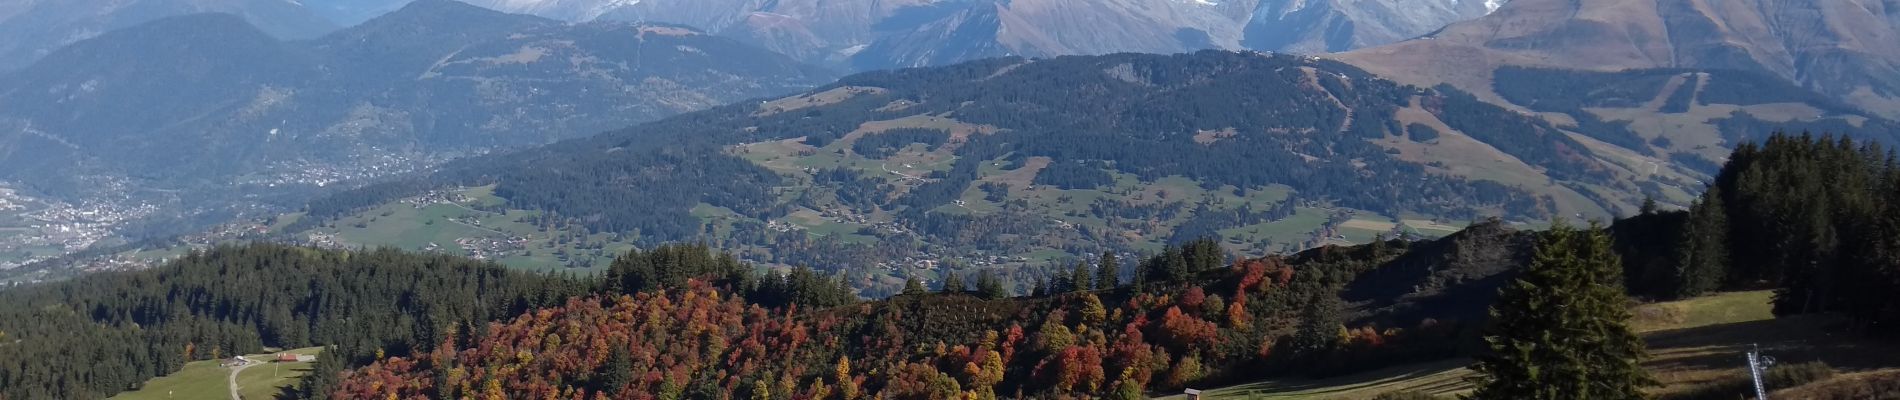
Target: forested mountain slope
(189,115)
(104,333)
(988,161)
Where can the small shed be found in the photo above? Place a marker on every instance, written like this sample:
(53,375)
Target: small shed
(1192,394)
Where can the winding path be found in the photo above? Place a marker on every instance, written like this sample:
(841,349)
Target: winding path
(233,379)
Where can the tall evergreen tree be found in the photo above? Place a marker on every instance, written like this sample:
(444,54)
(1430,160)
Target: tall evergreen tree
(618,370)
(322,376)
(1081,279)
(1175,263)
(1143,272)
(953,282)
(1872,274)
(1703,248)
(1320,324)
(988,286)
(1108,274)
(912,286)
(1560,330)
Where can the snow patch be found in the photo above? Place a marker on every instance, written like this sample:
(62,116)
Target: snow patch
(1491,6)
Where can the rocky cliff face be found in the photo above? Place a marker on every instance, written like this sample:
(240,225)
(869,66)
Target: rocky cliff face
(868,34)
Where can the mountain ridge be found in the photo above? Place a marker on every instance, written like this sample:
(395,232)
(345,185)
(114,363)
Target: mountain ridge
(30,29)
(869,35)
(1842,49)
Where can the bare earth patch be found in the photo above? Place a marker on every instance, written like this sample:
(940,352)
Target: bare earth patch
(1209,137)
(809,100)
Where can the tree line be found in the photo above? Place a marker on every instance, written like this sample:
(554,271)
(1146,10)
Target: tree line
(101,334)
(1815,217)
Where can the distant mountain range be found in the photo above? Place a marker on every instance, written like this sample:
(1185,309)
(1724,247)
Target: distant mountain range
(870,34)
(848,34)
(30,29)
(207,101)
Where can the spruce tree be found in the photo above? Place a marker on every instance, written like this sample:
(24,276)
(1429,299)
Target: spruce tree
(1320,323)
(1176,265)
(619,370)
(1108,274)
(912,286)
(1869,274)
(1142,272)
(1703,258)
(1560,330)
(1081,279)
(953,282)
(990,287)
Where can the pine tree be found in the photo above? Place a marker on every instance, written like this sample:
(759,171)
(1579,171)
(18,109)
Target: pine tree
(322,376)
(1560,330)
(619,371)
(1703,248)
(953,282)
(1108,274)
(1177,265)
(1081,279)
(1868,275)
(1142,271)
(1320,323)
(989,287)
(912,286)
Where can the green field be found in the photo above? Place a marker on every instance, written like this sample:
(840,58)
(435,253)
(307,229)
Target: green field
(1725,308)
(208,380)
(411,228)
(1691,342)
(24,253)
(1290,230)
(438,226)
(198,380)
(264,382)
